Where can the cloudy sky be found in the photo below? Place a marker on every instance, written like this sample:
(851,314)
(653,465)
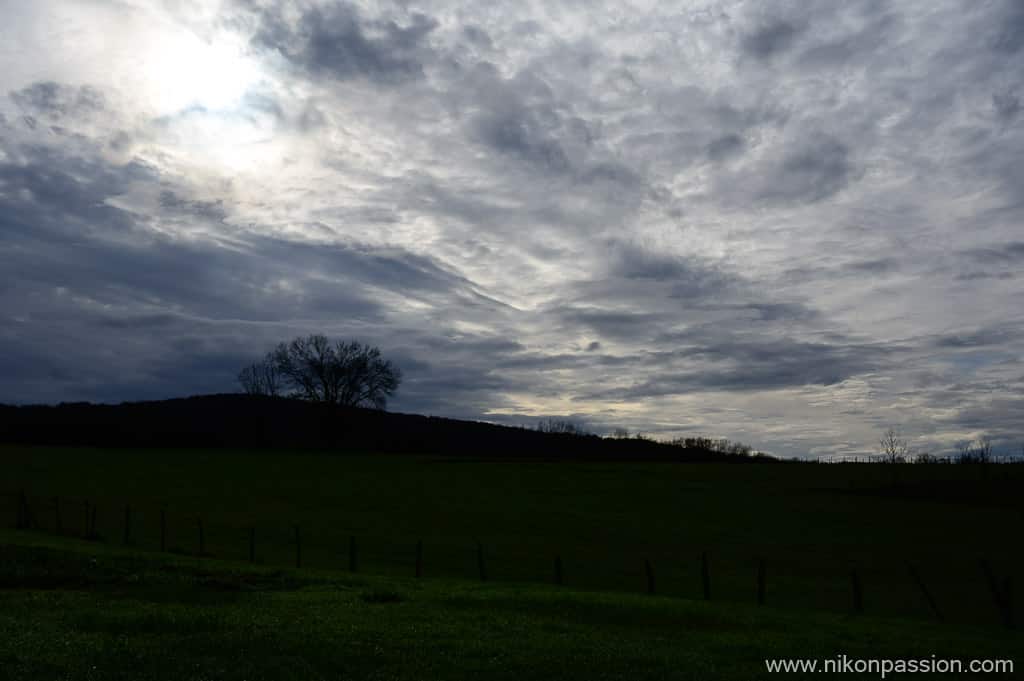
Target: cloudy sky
(792,224)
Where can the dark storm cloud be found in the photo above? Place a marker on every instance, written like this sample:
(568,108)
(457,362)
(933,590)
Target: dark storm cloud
(687,278)
(204,210)
(56,101)
(772,39)
(125,291)
(449,389)
(45,190)
(61,204)
(1008,253)
(1000,417)
(805,167)
(639,263)
(996,335)
(872,26)
(981,275)
(873,266)
(646,297)
(521,117)
(583,359)
(1009,29)
(386,267)
(725,147)
(815,169)
(457,375)
(521,134)
(610,323)
(477,36)
(338,42)
(1007,106)
(785,312)
(612,176)
(729,363)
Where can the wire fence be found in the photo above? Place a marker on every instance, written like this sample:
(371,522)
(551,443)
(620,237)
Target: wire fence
(968,589)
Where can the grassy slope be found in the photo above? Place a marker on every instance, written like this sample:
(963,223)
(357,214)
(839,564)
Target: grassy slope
(77,610)
(603,519)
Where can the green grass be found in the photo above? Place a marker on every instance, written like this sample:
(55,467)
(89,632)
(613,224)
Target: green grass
(79,610)
(811,524)
(98,610)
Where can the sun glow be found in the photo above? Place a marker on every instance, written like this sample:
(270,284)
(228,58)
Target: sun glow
(184,71)
(197,90)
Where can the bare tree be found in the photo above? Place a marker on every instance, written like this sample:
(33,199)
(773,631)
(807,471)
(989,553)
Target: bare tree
(344,373)
(562,426)
(965,451)
(984,449)
(892,447)
(260,378)
(975,452)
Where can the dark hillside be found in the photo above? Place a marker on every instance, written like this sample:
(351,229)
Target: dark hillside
(242,421)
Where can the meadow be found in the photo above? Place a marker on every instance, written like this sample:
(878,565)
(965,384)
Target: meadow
(811,524)
(76,610)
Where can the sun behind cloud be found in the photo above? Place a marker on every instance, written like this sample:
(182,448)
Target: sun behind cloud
(182,71)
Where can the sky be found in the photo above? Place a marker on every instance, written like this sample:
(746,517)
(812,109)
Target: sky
(791,224)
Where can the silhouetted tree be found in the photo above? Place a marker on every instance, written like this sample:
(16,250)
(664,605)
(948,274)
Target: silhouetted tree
(892,447)
(344,373)
(984,449)
(718,446)
(562,426)
(260,378)
(975,452)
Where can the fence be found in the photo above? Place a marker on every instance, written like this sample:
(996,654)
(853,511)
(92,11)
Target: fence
(895,587)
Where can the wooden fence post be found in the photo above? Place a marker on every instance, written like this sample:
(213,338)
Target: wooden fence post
(25,521)
(127,525)
(163,530)
(298,547)
(252,544)
(559,575)
(916,576)
(85,525)
(1001,597)
(649,572)
(353,559)
(419,559)
(705,575)
(202,537)
(93,534)
(858,592)
(481,566)
(762,581)
(58,522)
(1008,618)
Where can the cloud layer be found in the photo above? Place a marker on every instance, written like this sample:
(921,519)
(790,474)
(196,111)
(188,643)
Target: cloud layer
(793,225)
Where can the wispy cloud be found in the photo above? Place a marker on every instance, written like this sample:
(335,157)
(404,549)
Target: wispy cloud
(785,223)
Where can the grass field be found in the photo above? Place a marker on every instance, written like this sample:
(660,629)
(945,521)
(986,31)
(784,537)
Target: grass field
(73,608)
(86,611)
(812,524)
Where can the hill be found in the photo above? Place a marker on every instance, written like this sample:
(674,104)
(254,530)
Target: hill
(244,421)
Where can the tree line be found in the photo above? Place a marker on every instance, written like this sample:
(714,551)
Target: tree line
(893,448)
